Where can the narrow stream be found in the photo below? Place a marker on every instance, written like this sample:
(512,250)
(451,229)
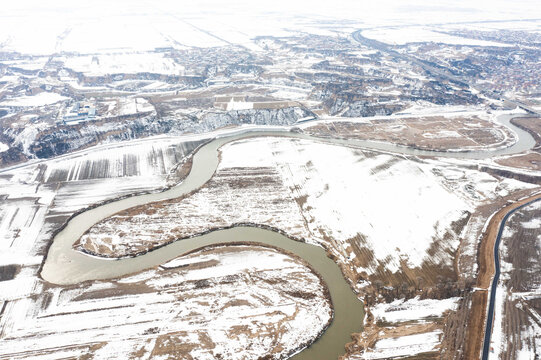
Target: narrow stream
(67,266)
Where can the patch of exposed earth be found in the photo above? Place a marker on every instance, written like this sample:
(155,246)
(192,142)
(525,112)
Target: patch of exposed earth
(440,133)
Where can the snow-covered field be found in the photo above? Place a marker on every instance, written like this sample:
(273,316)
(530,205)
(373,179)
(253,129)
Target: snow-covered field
(517,314)
(105,27)
(145,62)
(249,294)
(158,308)
(325,194)
(412,310)
(408,328)
(404,35)
(34,196)
(403,346)
(41,99)
(395,208)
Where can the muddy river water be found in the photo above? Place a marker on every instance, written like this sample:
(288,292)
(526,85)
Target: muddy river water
(67,266)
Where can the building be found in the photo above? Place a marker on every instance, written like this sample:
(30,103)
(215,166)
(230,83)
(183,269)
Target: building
(80,112)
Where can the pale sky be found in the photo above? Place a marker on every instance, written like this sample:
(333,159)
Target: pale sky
(45,27)
(483,9)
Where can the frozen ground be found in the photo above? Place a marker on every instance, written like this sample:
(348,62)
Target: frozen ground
(413,310)
(404,346)
(306,192)
(401,36)
(258,300)
(158,308)
(42,98)
(517,313)
(313,196)
(332,196)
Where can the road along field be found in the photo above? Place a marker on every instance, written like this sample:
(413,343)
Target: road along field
(516,332)
(476,324)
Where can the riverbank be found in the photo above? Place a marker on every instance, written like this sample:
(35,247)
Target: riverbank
(246,182)
(40,195)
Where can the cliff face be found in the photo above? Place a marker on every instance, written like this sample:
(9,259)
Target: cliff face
(284,116)
(62,139)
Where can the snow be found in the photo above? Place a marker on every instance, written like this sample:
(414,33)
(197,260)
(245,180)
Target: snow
(404,346)
(125,63)
(413,309)
(342,195)
(180,262)
(442,134)
(3,147)
(17,288)
(41,99)
(239,105)
(290,93)
(28,135)
(122,26)
(404,35)
(497,340)
(532,224)
(9,78)
(129,106)
(171,307)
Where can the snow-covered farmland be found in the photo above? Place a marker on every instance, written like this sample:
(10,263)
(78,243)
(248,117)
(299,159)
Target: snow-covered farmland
(35,199)
(159,307)
(404,35)
(405,328)
(41,99)
(402,310)
(254,297)
(404,346)
(125,63)
(517,313)
(320,192)
(325,194)
(332,196)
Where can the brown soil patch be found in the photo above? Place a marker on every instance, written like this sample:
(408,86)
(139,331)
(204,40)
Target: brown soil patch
(531,125)
(430,133)
(529,161)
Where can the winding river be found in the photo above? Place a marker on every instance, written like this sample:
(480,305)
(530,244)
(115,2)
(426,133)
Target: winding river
(67,266)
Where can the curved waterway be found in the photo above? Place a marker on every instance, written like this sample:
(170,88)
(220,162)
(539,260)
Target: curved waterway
(67,266)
